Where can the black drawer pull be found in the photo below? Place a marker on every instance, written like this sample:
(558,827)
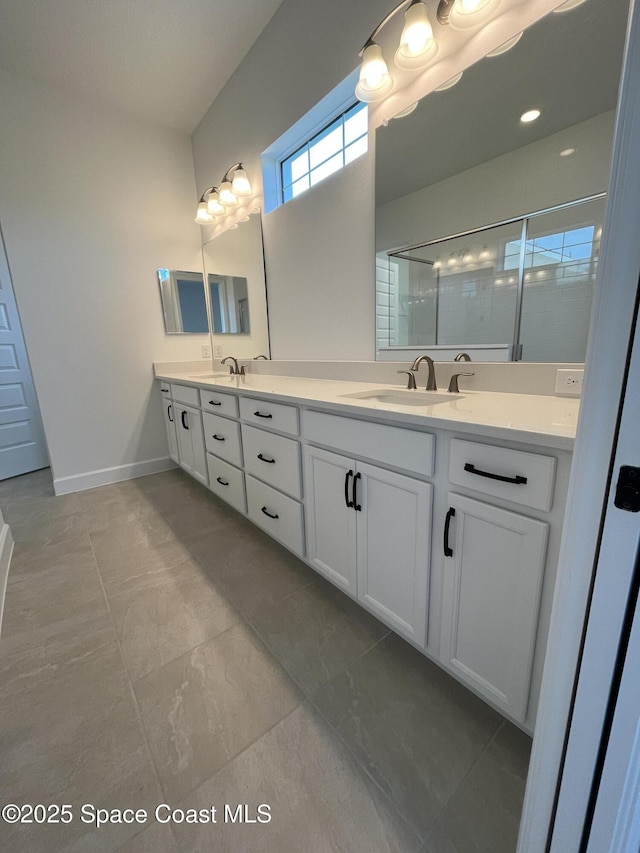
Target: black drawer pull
(222,482)
(348,502)
(448,552)
(215,403)
(261,415)
(165,390)
(519,480)
(183,416)
(218,437)
(266,512)
(264,459)
(356,505)
(169,407)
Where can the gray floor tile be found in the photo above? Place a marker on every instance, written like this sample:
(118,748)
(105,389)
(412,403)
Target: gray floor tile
(202,709)
(317,633)
(163,614)
(320,801)
(255,574)
(484,813)
(216,547)
(171,477)
(415,729)
(137,540)
(35,484)
(131,568)
(74,739)
(197,516)
(45,520)
(157,838)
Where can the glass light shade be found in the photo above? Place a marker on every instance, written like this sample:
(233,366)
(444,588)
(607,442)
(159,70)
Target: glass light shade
(530,115)
(375,81)
(240,183)
(203,217)
(505,46)
(468,14)
(226,195)
(417,44)
(213,204)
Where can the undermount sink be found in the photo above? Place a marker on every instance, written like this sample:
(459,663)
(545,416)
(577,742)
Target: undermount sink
(211,375)
(403,398)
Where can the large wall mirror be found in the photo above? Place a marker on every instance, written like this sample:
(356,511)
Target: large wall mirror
(488,227)
(237,290)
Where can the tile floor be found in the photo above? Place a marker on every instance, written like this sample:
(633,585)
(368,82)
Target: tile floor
(158,648)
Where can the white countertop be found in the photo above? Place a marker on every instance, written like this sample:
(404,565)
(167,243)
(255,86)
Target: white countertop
(533,419)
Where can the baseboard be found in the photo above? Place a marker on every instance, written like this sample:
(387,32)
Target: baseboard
(6,550)
(104,476)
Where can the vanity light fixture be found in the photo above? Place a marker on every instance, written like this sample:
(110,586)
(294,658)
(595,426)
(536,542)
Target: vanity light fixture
(505,46)
(217,201)
(448,84)
(569,5)
(567,152)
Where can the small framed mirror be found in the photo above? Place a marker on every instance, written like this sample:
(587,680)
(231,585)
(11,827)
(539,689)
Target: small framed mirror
(184,304)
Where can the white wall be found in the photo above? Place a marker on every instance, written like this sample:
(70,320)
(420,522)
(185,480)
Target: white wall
(91,203)
(319,248)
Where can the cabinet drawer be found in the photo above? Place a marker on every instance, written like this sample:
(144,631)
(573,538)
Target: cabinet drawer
(522,478)
(219,403)
(279,515)
(391,445)
(222,437)
(185,394)
(165,389)
(272,415)
(273,458)
(227,482)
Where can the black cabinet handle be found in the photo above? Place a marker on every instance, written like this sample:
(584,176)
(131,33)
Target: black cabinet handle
(218,437)
(215,403)
(183,416)
(264,459)
(356,505)
(348,475)
(519,480)
(266,512)
(165,390)
(260,415)
(169,407)
(448,552)
(222,482)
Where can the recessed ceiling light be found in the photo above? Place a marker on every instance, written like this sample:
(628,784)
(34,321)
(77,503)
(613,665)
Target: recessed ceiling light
(567,152)
(530,115)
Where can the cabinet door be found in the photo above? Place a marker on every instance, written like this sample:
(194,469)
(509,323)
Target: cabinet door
(191,447)
(170,426)
(331,524)
(394,536)
(493,580)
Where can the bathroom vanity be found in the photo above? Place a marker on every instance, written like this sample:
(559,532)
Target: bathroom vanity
(439,513)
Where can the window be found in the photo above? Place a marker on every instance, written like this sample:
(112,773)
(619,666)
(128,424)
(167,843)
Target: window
(330,135)
(341,142)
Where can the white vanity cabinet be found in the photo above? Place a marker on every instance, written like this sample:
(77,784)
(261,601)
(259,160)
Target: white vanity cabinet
(369,531)
(494,565)
(170,427)
(191,447)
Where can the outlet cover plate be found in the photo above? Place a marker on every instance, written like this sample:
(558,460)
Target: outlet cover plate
(569,382)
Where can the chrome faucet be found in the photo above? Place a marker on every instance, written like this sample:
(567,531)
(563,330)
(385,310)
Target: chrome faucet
(431,378)
(234,370)
(256,357)
(462,356)
(411,382)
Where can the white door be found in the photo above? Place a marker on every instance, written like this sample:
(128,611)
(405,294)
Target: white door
(22,444)
(170,425)
(331,520)
(494,575)
(394,547)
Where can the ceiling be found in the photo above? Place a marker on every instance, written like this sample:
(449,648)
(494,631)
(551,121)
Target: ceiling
(163,61)
(568,65)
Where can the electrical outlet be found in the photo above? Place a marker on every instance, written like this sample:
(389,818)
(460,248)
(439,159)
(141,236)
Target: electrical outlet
(206,351)
(217,351)
(569,382)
